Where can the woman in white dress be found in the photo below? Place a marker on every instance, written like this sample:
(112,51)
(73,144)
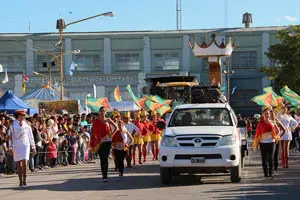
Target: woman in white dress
(20,140)
(289,123)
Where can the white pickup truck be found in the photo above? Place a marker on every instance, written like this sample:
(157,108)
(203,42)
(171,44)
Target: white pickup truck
(201,138)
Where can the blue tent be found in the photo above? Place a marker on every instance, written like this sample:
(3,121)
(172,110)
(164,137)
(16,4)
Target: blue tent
(124,106)
(10,103)
(43,94)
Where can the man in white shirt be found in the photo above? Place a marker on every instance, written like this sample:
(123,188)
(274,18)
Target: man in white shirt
(132,130)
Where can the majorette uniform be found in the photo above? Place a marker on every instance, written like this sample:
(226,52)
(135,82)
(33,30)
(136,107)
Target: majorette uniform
(138,136)
(146,134)
(155,132)
(22,138)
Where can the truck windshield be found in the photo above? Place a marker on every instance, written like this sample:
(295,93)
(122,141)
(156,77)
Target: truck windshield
(200,117)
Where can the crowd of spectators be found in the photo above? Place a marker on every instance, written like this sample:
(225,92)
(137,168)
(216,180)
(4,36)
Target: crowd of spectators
(59,139)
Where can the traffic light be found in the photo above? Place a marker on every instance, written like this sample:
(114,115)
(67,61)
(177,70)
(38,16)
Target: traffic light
(52,64)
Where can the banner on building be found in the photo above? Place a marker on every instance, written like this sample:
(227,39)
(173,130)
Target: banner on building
(59,107)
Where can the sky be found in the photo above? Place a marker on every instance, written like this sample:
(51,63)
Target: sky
(39,16)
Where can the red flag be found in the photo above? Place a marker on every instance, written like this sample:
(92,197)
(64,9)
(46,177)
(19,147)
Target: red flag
(25,78)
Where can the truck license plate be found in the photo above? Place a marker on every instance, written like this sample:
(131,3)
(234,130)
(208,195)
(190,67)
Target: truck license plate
(197,160)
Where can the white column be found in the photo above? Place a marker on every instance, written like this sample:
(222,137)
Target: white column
(18,85)
(100,91)
(68,57)
(141,82)
(186,64)
(265,47)
(147,55)
(107,56)
(29,57)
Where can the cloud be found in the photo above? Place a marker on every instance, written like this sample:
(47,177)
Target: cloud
(291,19)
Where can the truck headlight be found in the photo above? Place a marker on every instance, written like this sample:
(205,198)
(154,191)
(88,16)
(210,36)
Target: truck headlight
(226,140)
(168,141)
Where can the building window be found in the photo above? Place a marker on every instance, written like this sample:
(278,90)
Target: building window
(166,61)
(244,59)
(89,62)
(13,63)
(128,61)
(43,62)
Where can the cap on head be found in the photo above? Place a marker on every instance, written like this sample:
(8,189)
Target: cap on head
(144,113)
(115,113)
(21,112)
(137,114)
(50,122)
(126,115)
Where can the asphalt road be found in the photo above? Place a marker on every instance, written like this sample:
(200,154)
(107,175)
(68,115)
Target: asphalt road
(143,182)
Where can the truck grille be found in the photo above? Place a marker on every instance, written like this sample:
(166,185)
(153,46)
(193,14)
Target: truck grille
(198,140)
(206,156)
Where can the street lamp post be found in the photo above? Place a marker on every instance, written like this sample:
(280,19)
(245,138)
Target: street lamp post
(228,72)
(60,25)
(54,58)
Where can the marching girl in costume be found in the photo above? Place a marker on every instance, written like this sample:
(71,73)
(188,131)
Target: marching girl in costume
(146,134)
(121,140)
(115,117)
(132,130)
(289,123)
(138,137)
(20,139)
(101,139)
(265,137)
(156,134)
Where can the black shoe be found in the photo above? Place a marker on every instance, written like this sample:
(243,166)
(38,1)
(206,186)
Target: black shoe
(266,176)
(120,174)
(271,175)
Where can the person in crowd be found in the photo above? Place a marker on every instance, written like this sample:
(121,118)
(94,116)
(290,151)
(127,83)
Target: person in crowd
(281,130)
(138,137)
(121,140)
(115,117)
(45,142)
(156,134)
(3,150)
(132,129)
(52,152)
(38,143)
(289,123)
(101,139)
(20,140)
(265,137)
(83,120)
(146,134)
(65,152)
(62,132)
(86,142)
(74,145)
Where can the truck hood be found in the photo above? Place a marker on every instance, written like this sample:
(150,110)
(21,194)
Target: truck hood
(198,130)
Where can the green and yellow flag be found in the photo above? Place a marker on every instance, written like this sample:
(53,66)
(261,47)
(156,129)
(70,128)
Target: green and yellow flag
(134,98)
(263,99)
(290,96)
(276,99)
(95,103)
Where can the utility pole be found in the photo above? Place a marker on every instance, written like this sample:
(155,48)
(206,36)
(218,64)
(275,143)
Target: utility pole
(178,14)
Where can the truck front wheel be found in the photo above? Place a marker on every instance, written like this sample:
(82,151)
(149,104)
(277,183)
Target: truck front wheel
(166,175)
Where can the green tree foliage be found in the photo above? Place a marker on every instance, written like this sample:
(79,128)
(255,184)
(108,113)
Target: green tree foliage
(285,54)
